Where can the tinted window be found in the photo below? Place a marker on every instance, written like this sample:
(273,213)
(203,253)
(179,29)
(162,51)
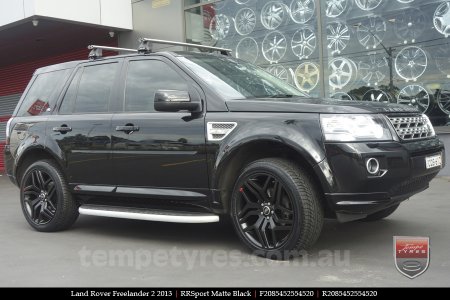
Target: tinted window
(41,97)
(71,94)
(90,90)
(144,78)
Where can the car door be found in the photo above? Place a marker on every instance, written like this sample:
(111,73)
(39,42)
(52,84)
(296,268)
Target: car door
(163,155)
(81,131)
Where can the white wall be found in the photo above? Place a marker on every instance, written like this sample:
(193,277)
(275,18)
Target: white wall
(108,13)
(11,11)
(165,22)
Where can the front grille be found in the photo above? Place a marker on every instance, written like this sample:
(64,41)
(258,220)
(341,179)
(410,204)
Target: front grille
(411,185)
(412,128)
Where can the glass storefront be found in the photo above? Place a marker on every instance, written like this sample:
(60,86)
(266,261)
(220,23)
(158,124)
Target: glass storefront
(394,51)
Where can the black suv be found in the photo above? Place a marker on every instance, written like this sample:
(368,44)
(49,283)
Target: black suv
(187,137)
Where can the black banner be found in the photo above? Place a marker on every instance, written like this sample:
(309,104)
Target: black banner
(244,293)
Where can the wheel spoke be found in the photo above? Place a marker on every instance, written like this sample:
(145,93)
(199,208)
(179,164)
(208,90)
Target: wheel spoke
(51,190)
(245,214)
(263,233)
(40,180)
(256,190)
(46,212)
(277,192)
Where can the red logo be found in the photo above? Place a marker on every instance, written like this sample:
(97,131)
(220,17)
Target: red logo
(412,255)
(38,107)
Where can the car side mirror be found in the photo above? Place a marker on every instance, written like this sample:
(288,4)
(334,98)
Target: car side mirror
(173,101)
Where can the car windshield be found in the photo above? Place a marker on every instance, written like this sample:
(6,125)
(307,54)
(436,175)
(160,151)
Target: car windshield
(236,79)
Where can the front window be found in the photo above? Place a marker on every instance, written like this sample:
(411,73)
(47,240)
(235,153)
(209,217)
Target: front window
(235,79)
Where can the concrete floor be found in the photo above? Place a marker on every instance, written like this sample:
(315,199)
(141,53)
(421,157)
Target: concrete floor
(111,252)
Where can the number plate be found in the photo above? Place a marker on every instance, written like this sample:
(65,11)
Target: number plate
(433,161)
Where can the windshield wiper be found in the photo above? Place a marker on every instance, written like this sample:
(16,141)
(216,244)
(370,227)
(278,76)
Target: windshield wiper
(281,96)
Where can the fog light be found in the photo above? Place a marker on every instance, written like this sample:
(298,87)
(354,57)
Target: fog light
(373,166)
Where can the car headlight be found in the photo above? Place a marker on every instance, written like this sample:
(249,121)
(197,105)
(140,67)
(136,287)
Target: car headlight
(350,128)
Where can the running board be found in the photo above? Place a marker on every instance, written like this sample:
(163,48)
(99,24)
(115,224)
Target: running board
(147,214)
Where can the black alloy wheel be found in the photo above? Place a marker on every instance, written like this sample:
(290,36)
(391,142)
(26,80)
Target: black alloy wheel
(46,201)
(276,208)
(265,211)
(40,197)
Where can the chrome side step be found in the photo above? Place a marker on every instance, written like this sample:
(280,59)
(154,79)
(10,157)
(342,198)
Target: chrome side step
(147,214)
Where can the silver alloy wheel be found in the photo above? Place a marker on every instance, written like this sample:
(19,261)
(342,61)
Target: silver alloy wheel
(219,27)
(415,95)
(376,95)
(338,37)
(441,18)
(409,25)
(274,46)
(306,76)
(410,63)
(247,49)
(335,8)
(341,72)
(444,101)
(279,71)
(373,68)
(303,43)
(368,4)
(301,11)
(245,21)
(273,14)
(371,32)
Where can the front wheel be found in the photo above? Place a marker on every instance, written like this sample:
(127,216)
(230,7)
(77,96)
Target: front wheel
(276,209)
(45,198)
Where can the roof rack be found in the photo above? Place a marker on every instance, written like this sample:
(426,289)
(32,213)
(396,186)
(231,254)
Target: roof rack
(146,46)
(96,51)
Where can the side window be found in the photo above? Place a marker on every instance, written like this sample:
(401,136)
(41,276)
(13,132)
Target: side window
(42,95)
(90,90)
(144,78)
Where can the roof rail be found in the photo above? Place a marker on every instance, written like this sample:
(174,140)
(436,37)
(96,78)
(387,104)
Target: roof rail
(96,51)
(146,46)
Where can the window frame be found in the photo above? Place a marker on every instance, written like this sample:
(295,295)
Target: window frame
(57,96)
(194,89)
(82,66)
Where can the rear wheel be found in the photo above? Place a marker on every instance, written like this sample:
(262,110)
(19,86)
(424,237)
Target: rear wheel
(45,198)
(381,214)
(276,209)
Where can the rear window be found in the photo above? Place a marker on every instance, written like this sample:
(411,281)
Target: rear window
(43,93)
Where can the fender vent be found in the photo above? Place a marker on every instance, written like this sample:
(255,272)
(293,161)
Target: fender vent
(217,131)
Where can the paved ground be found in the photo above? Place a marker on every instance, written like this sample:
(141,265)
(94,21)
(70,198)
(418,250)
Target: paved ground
(111,252)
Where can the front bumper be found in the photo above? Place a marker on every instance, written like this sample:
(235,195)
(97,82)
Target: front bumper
(353,193)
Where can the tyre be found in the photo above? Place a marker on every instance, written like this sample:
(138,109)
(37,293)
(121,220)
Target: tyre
(45,198)
(381,214)
(276,209)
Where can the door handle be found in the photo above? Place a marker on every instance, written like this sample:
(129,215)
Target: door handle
(62,129)
(127,128)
